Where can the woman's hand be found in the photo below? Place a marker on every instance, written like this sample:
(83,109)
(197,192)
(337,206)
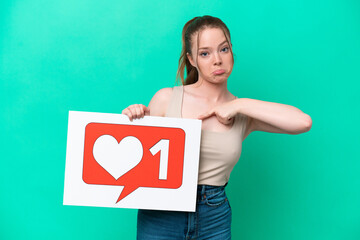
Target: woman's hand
(224,113)
(136,111)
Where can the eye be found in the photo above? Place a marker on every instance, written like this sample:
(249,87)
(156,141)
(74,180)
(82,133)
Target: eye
(225,49)
(203,54)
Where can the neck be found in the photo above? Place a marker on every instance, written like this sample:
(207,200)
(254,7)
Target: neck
(211,91)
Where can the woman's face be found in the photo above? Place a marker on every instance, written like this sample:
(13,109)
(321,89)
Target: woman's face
(214,60)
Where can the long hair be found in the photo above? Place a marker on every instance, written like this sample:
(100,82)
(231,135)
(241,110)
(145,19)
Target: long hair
(192,27)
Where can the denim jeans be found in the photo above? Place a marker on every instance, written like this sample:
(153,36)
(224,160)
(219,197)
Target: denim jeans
(212,219)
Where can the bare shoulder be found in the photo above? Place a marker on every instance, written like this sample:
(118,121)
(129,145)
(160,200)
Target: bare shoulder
(159,102)
(163,94)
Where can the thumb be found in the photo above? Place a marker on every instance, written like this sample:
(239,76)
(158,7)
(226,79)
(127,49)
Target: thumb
(147,111)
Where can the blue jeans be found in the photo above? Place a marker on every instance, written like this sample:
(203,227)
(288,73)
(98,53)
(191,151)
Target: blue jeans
(212,219)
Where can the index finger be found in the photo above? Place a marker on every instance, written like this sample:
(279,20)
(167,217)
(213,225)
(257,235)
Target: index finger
(206,115)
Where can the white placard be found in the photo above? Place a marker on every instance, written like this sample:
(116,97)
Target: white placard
(149,163)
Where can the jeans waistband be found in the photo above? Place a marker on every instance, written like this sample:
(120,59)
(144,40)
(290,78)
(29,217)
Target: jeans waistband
(203,190)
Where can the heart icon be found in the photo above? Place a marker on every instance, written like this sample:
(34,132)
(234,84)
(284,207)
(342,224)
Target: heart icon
(117,158)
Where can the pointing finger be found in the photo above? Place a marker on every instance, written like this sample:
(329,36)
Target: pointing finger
(206,115)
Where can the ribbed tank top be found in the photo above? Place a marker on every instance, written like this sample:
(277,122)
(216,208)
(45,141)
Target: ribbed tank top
(219,151)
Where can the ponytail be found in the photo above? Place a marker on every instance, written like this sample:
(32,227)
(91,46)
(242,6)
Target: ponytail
(191,71)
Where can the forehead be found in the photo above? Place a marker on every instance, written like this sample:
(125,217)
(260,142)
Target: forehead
(208,37)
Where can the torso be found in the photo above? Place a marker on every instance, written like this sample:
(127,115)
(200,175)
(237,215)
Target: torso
(193,105)
(220,146)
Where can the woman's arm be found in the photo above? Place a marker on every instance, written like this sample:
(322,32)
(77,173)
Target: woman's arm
(159,103)
(263,116)
(157,106)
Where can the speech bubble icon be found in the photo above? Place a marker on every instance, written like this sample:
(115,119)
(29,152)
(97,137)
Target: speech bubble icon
(117,158)
(162,160)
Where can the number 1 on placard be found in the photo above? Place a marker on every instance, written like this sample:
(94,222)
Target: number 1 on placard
(163,147)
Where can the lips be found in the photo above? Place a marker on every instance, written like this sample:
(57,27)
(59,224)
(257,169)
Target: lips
(219,71)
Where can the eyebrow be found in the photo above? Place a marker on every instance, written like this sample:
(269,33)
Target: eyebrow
(209,47)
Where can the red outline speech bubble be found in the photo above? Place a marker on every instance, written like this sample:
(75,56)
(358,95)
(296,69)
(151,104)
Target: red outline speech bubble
(144,174)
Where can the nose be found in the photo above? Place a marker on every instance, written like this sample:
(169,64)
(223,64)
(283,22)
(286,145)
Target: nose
(217,59)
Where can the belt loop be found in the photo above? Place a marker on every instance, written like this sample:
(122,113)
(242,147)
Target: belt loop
(203,191)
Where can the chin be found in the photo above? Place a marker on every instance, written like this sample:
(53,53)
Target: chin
(220,79)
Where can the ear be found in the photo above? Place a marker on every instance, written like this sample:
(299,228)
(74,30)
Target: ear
(190,60)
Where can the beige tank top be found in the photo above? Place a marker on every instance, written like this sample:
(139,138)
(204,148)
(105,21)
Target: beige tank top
(219,151)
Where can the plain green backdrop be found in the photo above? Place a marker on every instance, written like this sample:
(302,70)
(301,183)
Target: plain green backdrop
(101,56)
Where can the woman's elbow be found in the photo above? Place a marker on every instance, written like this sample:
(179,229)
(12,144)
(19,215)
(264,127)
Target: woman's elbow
(305,126)
(308,123)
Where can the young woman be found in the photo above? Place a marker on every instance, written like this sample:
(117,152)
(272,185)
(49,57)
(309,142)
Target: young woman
(226,121)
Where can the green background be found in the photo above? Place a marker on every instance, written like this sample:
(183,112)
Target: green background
(57,56)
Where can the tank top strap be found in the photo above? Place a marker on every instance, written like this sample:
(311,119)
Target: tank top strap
(175,104)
